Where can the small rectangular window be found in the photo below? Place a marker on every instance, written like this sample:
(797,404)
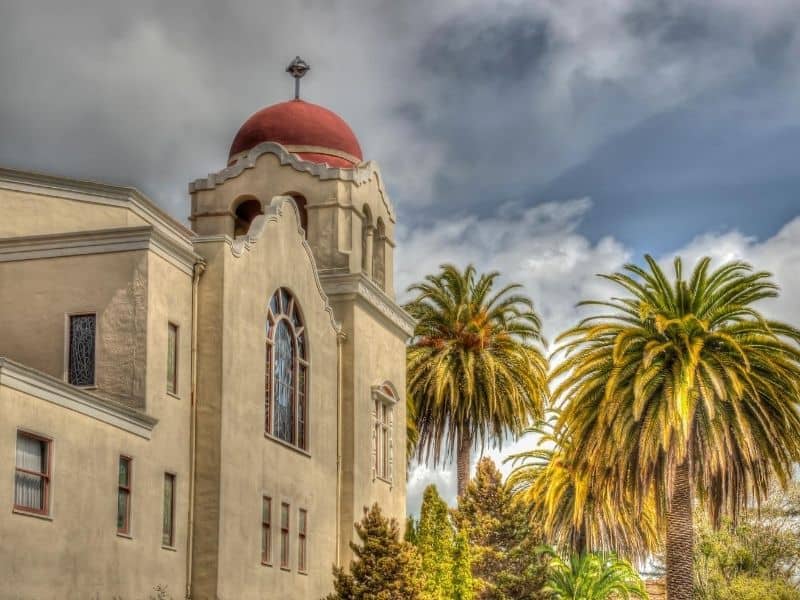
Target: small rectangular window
(302,523)
(124,495)
(32,476)
(168,527)
(382,439)
(266,531)
(172,359)
(284,535)
(82,334)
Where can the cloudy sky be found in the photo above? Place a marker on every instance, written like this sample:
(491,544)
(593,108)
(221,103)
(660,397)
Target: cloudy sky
(549,139)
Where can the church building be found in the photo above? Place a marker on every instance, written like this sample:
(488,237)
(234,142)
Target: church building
(200,412)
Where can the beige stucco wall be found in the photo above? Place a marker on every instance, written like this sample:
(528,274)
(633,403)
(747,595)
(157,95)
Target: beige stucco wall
(76,553)
(248,464)
(38,295)
(25,213)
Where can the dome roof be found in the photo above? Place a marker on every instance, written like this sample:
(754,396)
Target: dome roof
(310,131)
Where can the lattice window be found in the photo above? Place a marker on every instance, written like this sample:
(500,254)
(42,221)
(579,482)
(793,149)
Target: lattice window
(82,333)
(286,377)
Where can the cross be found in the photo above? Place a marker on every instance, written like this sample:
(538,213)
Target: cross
(297,68)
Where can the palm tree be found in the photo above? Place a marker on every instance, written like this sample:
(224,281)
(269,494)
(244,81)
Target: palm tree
(575,516)
(593,576)
(476,370)
(683,390)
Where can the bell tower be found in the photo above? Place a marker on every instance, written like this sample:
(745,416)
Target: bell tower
(302,150)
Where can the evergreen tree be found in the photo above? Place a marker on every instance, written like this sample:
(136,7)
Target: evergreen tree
(505,563)
(384,568)
(435,539)
(463,584)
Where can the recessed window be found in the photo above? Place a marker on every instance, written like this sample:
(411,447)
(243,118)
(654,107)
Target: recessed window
(302,524)
(168,527)
(124,495)
(286,382)
(384,400)
(379,254)
(266,530)
(172,359)
(82,334)
(284,535)
(32,476)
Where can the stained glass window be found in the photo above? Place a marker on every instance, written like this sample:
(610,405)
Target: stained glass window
(286,377)
(82,329)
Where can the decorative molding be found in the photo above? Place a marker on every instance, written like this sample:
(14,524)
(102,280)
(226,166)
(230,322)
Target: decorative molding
(101,241)
(356,285)
(25,379)
(358,175)
(244,243)
(93,192)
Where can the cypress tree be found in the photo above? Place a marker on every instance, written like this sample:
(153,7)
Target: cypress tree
(463,584)
(435,537)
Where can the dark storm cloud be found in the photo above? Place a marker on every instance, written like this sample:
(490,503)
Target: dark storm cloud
(468,105)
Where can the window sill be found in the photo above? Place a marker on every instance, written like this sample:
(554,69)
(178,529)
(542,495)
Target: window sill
(265,564)
(122,534)
(287,569)
(170,548)
(173,394)
(389,482)
(30,513)
(303,573)
(287,445)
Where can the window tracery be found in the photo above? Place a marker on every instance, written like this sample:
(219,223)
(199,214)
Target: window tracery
(286,393)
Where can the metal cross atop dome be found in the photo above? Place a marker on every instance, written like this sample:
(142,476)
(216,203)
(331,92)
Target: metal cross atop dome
(297,68)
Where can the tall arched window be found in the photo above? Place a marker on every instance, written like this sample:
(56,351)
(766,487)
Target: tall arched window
(379,255)
(286,385)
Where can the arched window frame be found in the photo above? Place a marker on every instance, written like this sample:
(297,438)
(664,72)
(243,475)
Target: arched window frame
(384,400)
(367,231)
(284,311)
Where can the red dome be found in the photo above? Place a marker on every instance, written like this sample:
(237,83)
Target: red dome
(310,131)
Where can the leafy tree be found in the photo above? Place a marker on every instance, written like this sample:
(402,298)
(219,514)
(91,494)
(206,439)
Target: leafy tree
(503,542)
(682,390)
(384,568)
(593,576)
(576,517)
(475,367)
(756,557)
(435,540)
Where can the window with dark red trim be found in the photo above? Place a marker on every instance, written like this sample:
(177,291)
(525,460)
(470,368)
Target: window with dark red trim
(286,381)
(124,495)
(302,550)
(284,535)
(266,530)
(32,474)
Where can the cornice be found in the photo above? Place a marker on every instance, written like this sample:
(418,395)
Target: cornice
(245,243)
(45,387)
(358,175)
(356,286)
(93,192)
(102,241)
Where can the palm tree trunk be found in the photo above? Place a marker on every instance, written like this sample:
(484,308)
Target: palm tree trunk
(463,462)
(680,536)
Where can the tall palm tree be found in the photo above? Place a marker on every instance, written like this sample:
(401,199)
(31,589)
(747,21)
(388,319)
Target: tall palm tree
(683,390)
(577,517)
(593,576)
(476,369)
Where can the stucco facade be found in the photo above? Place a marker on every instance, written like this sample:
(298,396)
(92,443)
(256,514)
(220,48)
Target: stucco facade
(156,290)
